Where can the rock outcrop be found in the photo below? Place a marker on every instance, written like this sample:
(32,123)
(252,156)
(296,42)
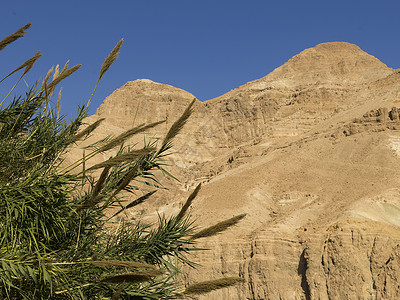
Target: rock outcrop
(310,152)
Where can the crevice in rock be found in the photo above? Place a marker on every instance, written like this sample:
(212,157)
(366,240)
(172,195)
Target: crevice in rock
(251,283)
(301,270)
(371,261)
(250,271)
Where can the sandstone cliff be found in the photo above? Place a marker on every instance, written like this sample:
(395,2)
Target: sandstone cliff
(310,152)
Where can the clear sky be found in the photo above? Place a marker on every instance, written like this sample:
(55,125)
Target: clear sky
(204,47)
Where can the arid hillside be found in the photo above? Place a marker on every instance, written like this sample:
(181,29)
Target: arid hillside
(310,152)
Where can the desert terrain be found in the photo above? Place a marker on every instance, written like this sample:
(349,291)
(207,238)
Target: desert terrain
(310,152)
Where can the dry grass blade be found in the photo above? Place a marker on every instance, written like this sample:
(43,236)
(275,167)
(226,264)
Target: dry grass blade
(134,203)
(188,202)
(138,276)
(110,58)
(88,129)
(117,294)
(27,65)
(96,191)
(217,228)
(178,125)
(127,134)
(62,76)
(121,263)
(122,158)
(13,37)
(211,285)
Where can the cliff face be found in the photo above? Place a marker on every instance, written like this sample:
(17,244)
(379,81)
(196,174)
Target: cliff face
(322,223)
(310,152)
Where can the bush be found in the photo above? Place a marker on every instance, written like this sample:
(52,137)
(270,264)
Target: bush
(55,237)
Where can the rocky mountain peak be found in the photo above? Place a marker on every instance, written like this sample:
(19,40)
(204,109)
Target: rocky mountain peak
(333,63)
(144,99)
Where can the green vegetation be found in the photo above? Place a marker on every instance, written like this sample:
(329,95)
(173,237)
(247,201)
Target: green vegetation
(57,240)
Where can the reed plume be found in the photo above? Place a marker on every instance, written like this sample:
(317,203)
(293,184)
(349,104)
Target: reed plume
(188,202)
(65,66)
(122,264)
(95,198)
(46,78)
(177,126)
(30,62)
(217,228)
(61,77)
(127,134)
(13,37)
(134,203)
(56,72)
(27,65)
(138,276)
(211,285)
(59,103)
(88,129)
(132,173)
(110,58)
(130,156)
(106,65)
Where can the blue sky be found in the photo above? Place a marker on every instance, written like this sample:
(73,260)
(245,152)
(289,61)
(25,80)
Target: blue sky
(204,47)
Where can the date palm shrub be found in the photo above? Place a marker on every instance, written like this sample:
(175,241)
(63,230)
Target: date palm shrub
(57,240)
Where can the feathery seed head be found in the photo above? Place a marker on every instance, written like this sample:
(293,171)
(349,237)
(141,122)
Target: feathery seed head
(130,156)
(27,64)
(30,62)
(110,58)
(134,203)
(121,263)
(65,66)
(88,129)
(62,76)
(178,125)
(211,285)
(96,198)
(188,202)
(132,173)
(127,134)
(139,276)
(217,228)
(56,72)
(46,78)
(13,37)
(59,100)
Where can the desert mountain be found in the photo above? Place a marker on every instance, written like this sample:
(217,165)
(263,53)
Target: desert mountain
(311,152)
(329,63)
